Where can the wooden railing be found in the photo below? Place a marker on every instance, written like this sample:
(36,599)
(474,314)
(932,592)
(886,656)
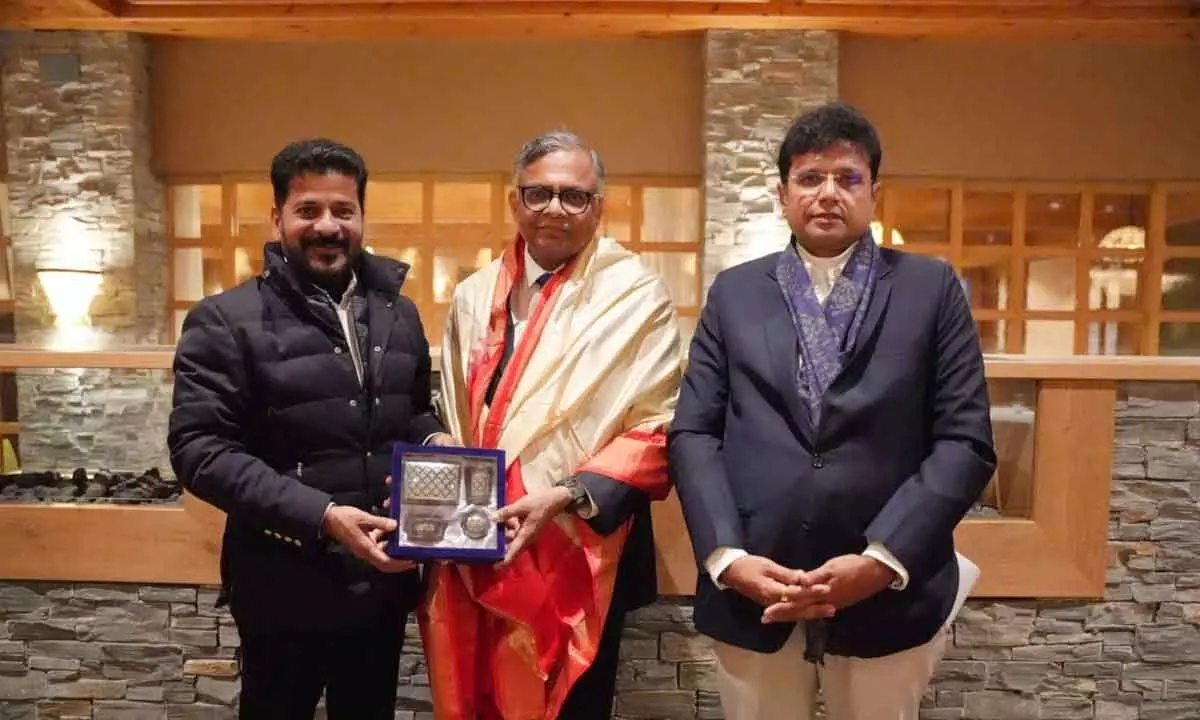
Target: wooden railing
(1059,550)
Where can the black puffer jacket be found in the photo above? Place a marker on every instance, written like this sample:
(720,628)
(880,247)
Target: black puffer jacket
(270,423)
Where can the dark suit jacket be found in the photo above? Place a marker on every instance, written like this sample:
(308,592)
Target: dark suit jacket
(903,449)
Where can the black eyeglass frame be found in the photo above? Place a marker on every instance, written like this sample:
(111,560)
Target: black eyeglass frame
(589,198)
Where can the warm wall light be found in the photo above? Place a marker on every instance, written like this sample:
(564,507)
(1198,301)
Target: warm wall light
(70,293)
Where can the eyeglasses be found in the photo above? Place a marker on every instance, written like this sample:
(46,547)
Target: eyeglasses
(573,201)
(812,181)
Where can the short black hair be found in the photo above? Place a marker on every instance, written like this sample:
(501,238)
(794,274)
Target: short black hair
(318,156)
(826,126)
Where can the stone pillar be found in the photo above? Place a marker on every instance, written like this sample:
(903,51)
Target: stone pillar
(83,197)
(755,84)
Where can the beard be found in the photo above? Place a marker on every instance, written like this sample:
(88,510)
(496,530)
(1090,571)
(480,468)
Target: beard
(326,260)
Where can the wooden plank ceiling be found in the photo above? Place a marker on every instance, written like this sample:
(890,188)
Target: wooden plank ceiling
(1145,20)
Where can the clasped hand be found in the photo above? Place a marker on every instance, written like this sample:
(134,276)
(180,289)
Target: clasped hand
(789,595)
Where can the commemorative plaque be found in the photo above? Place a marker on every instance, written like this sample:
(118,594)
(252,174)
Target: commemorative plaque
(443,500)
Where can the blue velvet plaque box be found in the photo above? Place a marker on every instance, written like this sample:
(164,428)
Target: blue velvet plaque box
(443,499)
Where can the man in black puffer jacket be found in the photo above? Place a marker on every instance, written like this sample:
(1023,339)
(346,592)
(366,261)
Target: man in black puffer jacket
(290,390)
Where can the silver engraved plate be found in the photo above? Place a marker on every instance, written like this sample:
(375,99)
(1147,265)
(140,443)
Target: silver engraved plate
(432,482)
(480,482)
(444,500)
(476,524)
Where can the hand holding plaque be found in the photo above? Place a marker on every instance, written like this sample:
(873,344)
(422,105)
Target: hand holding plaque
(443,500)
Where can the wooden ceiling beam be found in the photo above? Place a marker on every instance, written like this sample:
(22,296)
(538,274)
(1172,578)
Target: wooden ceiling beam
(14,11)
(1157,20)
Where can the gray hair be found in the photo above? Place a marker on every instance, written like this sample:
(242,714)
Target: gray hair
(557,141)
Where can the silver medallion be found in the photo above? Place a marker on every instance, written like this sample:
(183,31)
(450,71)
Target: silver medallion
(475,524)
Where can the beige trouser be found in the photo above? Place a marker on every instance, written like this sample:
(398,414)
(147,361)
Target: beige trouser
(783,685)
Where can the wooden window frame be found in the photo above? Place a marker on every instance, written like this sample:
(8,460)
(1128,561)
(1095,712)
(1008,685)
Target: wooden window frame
(1149,315)
(228,240)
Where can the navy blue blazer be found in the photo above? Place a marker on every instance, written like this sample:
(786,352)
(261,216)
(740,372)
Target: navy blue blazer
(903,449)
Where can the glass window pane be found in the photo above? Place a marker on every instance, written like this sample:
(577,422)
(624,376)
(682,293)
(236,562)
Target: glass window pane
(678,271)
(1114,283)
(5,227)
(253,212)
(991,335)
(433,318)
(1181,284)
(687,328)
(1179,338)
(985,280)
(180,316)
(393,202)
(196,211)
(247,263)
(453,265)
(1119,221)
(1183,218)
(6,266)
(921,215)
(1113,338)
(1049,337)
(508,216)
(197,273)
(411,257)
(618,212)
(1050,284)
(1052,220)
(462,202)
(1014,411)
(987,218)
(671,215)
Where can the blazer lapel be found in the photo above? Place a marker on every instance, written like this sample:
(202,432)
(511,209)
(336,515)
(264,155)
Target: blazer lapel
(875,311)
(783,347)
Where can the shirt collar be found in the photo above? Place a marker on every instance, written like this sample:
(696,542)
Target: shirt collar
(533,271)
(350,288)
(825,264)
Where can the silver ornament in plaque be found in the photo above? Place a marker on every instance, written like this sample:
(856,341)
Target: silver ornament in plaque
(444,501)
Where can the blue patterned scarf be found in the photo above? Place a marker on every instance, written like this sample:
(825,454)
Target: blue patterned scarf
(827,333)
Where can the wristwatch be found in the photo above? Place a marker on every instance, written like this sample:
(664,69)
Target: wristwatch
(579,496)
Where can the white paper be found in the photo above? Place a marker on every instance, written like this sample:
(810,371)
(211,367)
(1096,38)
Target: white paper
(968,575)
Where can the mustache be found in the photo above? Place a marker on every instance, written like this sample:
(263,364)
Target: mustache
(315,240)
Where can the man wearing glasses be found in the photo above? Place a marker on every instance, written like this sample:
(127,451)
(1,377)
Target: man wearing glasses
(832,429)
(566,354)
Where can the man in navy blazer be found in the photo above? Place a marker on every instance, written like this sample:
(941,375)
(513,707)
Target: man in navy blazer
(832,430)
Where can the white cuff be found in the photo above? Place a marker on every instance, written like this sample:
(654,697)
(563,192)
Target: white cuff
(430,437)
(879,552)
(720,559)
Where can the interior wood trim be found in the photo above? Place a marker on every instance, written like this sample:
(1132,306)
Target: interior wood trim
(1001,366)
(1060,551)
(1161,20)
